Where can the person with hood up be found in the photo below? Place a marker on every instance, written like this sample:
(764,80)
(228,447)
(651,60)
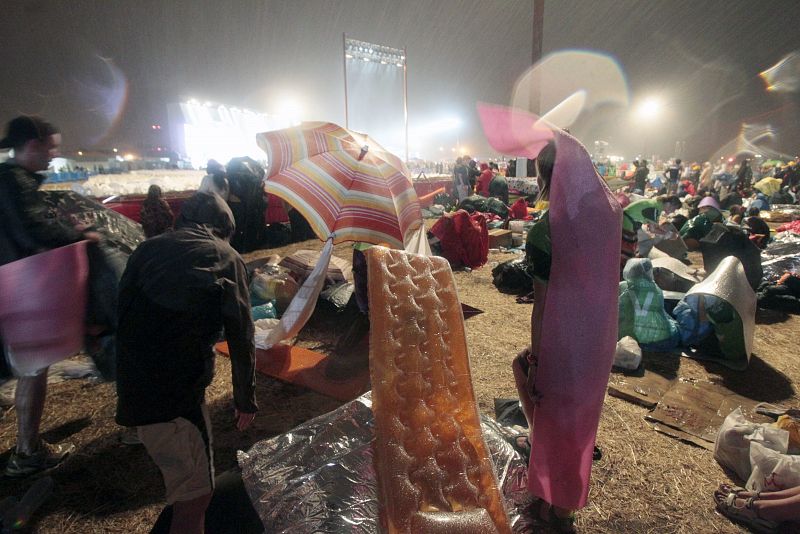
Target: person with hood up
(634,216)
(641,309)
(484,180)
(179,291)
(699,226)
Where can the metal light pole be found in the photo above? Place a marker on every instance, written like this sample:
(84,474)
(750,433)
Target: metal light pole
(344,64)
(405,95)
(536,51)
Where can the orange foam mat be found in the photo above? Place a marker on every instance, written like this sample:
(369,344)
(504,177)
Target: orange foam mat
(435,472)
(304,367)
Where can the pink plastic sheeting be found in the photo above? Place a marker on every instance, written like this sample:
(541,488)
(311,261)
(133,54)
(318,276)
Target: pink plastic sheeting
(580,315)
(43,307)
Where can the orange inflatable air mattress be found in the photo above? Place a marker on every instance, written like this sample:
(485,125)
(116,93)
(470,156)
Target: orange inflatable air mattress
(435,473)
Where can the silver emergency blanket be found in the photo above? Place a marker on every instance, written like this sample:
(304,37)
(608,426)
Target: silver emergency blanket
(780,257)
(319,477)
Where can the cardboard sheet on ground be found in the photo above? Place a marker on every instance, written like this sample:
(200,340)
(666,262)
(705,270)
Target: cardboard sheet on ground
(694,411)
(646,390)
(304,367)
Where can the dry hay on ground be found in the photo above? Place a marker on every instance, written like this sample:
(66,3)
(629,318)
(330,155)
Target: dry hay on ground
(645,482)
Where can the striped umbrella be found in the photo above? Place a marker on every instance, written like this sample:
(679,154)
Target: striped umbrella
(345,184)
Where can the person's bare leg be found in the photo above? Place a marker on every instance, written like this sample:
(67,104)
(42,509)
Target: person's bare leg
(771,495)
(29,399)
(188,517)
(778,510)
(520,380)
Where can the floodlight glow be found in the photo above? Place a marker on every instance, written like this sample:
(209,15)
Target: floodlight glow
(650,108)
(129,157)
(438,126)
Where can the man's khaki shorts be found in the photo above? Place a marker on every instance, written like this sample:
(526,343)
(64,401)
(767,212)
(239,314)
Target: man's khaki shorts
(181,448)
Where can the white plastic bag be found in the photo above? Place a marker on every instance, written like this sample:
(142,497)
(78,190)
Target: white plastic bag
(732,448)
(628,354)
(772,470)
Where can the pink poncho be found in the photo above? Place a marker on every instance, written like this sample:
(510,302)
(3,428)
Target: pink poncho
(580,315)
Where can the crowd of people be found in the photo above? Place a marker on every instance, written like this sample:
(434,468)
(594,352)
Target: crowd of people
(186,284)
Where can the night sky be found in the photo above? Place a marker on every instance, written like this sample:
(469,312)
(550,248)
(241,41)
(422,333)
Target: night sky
(71,61)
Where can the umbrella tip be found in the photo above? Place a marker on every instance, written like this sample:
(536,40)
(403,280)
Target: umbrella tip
(364,150)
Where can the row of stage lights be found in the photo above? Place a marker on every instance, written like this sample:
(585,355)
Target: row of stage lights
(360,50)
(195,102)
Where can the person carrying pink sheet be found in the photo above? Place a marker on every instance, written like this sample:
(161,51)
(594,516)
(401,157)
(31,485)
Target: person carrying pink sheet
(562,377)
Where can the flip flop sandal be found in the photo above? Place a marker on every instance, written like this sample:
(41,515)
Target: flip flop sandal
(722,492)
(726,489)
(745,515)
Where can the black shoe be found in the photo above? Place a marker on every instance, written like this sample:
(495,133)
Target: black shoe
(47,456)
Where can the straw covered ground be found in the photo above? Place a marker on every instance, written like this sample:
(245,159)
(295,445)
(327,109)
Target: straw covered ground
(645,482)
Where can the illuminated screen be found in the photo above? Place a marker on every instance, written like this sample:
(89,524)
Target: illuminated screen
(213,131)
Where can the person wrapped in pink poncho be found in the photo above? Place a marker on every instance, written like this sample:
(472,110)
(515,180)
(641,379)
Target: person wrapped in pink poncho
(562,377)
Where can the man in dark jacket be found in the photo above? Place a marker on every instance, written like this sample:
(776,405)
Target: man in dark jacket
(178,292)
(640,177)
(26,229)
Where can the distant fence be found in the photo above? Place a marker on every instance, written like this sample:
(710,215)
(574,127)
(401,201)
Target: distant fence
(72,176)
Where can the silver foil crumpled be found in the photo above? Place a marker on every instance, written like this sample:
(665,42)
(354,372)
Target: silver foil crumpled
(319,477)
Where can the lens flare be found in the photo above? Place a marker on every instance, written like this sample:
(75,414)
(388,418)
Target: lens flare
(104,95)
(751,141)
(784,76)
(560,76)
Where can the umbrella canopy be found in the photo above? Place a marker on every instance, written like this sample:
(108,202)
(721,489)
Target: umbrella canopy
(303,262)
(345,184)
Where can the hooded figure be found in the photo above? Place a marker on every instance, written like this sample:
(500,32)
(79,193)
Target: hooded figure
(573,342)
(634,216)
(641,309)
(179,292)
(181,288)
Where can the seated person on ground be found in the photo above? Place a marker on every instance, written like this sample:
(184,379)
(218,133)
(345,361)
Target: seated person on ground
(698,227)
